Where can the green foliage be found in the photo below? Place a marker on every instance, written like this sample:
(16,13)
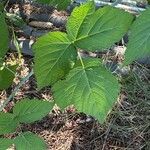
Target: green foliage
(1,6)
(4,36)
(25,111)
(5,143)
(139,38)
(97,30)
(7,75)
(87,85)
(8,123)
(28,111)
(76,21)
(60,4)
(29,141)
(25,141)
(92,89)
(54,54)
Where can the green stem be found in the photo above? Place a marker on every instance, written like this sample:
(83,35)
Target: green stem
(15,90)
(79,55)
(17,45)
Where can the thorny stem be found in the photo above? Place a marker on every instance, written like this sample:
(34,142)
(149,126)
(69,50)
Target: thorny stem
(15,90)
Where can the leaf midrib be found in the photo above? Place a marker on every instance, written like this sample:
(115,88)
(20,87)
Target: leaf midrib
(90,35)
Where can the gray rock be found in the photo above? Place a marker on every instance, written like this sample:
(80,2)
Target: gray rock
(38,33)
(39,17)
(27,30)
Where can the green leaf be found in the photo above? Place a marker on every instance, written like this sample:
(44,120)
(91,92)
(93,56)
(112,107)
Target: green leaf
(6,76)
(8,123)
(29,141)
(92,89)
(1,6)
(139,38)
(28,111)
(5,143)
(61,5)
(88,62)
(54,55)
(76,21)
(4,36)
(98,30)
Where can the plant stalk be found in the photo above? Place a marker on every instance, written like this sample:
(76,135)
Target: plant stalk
(16,45)
(15,90)
(79,55)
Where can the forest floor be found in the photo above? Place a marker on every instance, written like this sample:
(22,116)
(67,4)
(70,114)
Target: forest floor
(127,126)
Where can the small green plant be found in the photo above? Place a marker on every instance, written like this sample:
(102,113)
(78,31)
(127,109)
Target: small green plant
(88,84)
(25,111)
(7,72)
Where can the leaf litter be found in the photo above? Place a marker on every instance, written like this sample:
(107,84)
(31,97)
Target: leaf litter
(127,126)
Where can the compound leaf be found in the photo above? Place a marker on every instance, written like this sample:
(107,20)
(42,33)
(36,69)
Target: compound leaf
(5,143)
(92,89)
(8,123)
(28,111)
(98,30)
(139,38)
(54,55)
(29,141)
(6,76)
(4,36)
